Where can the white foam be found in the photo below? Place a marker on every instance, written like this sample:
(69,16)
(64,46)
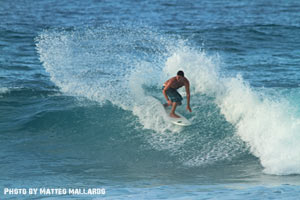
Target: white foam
(268,124)
(4,90)
(102,66)
(201,70)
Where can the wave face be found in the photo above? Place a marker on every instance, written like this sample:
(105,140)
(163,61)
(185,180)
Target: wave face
(125,66)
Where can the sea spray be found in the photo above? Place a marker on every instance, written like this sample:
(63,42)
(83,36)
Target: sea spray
(127,67)
(96,63)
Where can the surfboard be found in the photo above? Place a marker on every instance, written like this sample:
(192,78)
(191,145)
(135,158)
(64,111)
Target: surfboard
(182,121)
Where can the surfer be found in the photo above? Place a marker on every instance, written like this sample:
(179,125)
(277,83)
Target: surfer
(170,91)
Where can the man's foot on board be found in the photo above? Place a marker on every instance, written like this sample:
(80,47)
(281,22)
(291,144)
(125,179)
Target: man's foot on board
(174,115)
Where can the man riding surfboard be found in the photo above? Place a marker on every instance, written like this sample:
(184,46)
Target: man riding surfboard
(172,96)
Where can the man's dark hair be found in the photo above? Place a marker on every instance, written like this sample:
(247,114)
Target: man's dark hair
(180,73)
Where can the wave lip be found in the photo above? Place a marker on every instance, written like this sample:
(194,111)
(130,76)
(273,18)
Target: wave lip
(269,126)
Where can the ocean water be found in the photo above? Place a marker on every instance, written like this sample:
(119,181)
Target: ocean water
(79,83)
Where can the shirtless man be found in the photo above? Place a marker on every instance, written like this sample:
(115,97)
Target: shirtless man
(170,91)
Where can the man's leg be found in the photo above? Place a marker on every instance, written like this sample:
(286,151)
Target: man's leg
(172,113)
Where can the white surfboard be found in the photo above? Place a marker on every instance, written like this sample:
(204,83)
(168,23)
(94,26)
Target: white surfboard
(182,121)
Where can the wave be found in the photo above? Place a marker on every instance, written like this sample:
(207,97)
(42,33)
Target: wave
(126,66)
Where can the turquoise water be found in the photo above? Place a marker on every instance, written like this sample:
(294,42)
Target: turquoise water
(78,89)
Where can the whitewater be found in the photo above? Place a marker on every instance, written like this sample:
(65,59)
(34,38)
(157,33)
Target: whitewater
(86,63)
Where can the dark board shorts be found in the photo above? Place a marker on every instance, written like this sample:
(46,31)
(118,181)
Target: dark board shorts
(173,95)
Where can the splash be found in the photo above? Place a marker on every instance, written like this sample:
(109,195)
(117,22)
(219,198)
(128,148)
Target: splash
(126,65)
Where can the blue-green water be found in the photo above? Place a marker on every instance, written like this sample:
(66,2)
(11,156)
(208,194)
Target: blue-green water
(78,88)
